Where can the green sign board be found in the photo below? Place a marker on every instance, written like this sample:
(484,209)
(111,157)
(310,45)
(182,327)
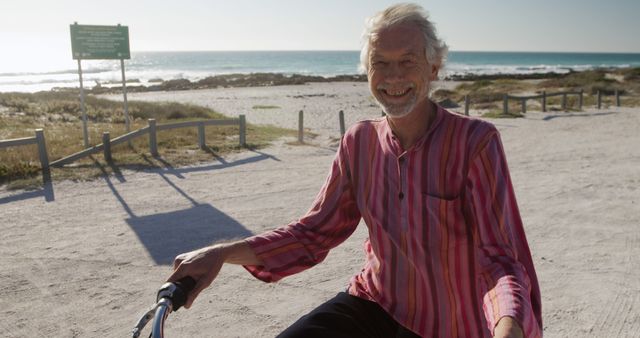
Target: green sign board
(99,42)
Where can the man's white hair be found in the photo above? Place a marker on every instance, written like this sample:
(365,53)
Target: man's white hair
(403,13)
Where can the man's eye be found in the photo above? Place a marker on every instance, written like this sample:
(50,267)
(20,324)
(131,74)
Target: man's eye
(408,62)
(379,63)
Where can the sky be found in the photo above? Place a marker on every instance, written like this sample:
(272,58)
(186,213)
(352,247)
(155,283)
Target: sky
(36,33)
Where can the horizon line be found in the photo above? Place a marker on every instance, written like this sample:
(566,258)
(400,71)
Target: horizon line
(357,50)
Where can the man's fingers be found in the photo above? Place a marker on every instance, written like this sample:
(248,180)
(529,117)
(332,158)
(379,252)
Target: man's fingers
(191,297)
(176,275)
(176,261)
(179,269)
(202,266)
(201,284)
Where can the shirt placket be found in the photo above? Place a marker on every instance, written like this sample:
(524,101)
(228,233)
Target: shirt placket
(402,190)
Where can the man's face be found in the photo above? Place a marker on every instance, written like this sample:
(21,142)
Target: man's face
(399,74)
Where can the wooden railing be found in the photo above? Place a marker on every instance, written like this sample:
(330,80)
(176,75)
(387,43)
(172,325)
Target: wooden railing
(152,129)
(42,150)
(543,97)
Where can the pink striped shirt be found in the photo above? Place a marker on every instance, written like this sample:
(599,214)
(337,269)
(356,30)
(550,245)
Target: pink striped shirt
(446,243)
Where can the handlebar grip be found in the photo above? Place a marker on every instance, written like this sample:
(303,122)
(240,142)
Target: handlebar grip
(183,287)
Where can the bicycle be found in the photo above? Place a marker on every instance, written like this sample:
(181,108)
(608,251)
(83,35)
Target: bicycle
(171,297)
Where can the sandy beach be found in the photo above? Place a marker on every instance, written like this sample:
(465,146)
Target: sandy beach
(89,263)
(320,103)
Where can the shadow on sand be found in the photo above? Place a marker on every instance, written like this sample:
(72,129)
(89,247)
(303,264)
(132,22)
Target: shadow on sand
(551,117)
(46,192)
(165,235)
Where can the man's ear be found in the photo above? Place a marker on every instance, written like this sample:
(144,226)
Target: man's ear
(433,72)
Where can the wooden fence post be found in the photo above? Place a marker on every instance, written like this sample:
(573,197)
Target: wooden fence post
(341,118)
(581,100)
(301,127)
(44,158)
(599,99)
(617,98)
(505,104)
(153,145)
(564,101)
(466,105)
(106,142)
(544,101)
(243,131)
(201,141)
(524,106)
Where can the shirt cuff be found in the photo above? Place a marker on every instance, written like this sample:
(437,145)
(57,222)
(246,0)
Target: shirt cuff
(281,255)
(261,272)
(511,302)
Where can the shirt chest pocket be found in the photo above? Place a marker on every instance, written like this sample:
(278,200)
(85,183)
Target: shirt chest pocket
(444,223)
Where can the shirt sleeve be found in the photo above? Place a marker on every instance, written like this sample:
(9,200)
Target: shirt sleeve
(300,245)
(506,274)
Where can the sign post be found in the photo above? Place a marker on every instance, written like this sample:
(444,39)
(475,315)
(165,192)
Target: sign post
(124,93)
(93,42)
(85,133)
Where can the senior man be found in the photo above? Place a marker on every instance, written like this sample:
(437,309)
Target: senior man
(446,254)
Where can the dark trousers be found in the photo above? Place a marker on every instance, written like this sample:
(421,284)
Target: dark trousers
(347,316)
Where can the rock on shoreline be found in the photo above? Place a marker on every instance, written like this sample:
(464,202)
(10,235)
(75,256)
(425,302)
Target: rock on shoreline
(235,80)
(278,79)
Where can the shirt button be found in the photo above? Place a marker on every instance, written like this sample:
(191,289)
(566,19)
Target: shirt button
(401,195)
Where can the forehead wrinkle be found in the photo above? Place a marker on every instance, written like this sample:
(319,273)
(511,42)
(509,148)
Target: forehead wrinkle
(413,46)
(409,51)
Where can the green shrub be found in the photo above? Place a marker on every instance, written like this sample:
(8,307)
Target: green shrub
(476,85)
(18,170)
(632,74)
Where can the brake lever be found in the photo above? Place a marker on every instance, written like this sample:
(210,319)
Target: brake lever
(143,321)
(171,295)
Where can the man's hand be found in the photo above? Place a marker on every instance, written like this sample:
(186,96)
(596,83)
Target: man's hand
(204,264)
(507,327)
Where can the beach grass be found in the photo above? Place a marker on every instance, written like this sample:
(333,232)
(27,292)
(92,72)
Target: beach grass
(58,113)
(498,114)
(486,94)
(260,106)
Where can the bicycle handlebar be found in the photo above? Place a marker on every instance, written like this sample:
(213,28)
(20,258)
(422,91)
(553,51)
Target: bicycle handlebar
(176,292)
(171,297)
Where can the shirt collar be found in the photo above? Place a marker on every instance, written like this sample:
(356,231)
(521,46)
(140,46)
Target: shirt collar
(395,143)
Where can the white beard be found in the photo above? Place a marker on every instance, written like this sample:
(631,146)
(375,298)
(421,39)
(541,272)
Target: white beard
(398,110)
(403,109)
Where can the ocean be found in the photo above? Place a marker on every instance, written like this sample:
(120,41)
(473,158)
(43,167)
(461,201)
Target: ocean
(147,67)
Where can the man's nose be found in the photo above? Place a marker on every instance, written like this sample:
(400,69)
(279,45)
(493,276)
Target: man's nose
(394,72)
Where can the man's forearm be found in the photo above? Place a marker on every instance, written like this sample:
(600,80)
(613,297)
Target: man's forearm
(203,265)
(239,253)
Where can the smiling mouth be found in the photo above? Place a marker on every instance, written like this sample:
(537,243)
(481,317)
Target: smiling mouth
(396,92)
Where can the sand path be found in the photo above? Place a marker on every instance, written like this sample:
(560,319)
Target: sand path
(89,262)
